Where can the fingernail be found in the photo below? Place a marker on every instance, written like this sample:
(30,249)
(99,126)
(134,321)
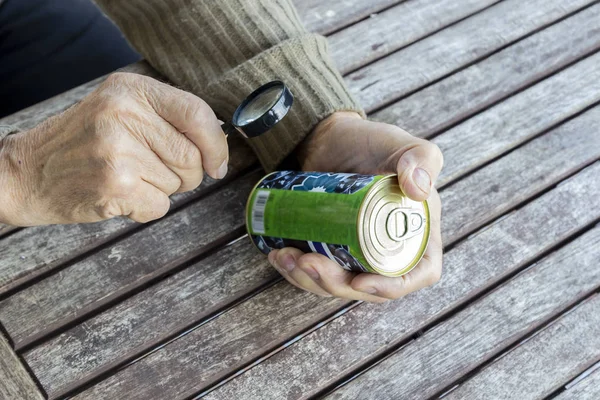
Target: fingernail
(288,262)
(222,171)
(369,290)
(422,179)
(312,272)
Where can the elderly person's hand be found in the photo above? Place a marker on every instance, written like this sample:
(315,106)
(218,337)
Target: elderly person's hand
(345,142)
(121,151)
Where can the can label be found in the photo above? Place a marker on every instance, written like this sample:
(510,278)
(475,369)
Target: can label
(311,211)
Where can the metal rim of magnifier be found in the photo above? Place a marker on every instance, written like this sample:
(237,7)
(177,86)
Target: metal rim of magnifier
(269,118)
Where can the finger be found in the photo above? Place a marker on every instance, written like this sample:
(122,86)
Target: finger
(149,203)
(176,151)
(333,278)
(284,261)
(426,273)
(153,170)
(191,116)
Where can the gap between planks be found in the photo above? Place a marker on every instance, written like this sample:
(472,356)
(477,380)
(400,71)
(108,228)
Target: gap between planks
(49,268)
(439,343)
(582,68)
(29,117)
(359,314)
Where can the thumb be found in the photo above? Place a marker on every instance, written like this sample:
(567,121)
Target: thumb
(418,164)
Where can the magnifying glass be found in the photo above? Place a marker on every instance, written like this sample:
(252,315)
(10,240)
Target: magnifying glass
(261,110)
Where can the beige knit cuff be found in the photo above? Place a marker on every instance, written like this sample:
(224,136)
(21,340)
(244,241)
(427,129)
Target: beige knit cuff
(303,63)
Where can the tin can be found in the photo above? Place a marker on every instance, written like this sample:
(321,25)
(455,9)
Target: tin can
(362,222)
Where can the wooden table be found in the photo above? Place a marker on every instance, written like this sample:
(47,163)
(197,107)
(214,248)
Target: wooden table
(184,307)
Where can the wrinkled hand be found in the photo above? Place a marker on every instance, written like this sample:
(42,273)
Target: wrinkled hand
(121,151)
(345,142)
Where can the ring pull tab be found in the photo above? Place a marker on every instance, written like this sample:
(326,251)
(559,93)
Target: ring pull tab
(404,223)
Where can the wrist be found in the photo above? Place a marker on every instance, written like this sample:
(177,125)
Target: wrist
(13,181)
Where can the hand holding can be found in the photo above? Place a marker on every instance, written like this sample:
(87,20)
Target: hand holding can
(346,142)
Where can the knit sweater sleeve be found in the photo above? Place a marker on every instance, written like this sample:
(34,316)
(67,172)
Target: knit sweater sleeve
(223,50)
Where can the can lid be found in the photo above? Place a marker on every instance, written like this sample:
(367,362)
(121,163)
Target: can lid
(263,109)
(393,229)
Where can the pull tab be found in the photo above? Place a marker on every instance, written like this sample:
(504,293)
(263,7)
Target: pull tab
(404,223)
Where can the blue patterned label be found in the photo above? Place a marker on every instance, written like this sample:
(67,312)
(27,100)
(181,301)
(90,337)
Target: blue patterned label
(319,182)
(324,182)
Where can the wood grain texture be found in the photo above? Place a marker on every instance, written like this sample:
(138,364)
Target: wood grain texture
(458,345)
(304,367)
(396,27)
(517,119)
(471,90)
(198,361)
(329,353)
(541,365)
(119,268)
(491,191)
(454,47)
(141,321)
(528,170)
(36,250)
(328,16)
(586,389)
(15,382)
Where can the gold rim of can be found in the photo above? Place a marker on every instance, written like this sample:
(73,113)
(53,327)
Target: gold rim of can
(392,229)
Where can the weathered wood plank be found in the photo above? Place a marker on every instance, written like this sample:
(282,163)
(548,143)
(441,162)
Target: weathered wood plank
(37,250)
(539,366)
(239,344)
(395,28)
(458,345)
(15,382)
(471,90)
(142,321)
(491,191)
(323,356)
(586,389)
(472,202)
(119,268)
(326,16)
(517,119)
(208,362)
(454,47)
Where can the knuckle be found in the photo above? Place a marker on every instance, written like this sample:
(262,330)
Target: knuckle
(119,184)
(116,105)
(197,110)
(188,154)
(118,78)
(109,209)
(435,152)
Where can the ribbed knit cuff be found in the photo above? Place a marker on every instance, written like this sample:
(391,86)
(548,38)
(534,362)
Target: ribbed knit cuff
(6,130)
(304,65)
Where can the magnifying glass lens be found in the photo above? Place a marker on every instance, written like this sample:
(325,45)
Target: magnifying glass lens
(258,106)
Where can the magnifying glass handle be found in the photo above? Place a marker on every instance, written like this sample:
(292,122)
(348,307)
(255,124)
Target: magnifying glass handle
(229,129)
